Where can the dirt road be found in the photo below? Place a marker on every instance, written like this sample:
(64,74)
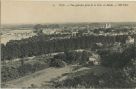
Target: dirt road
(38,78)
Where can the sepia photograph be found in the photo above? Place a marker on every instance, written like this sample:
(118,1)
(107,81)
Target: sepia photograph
(68,44)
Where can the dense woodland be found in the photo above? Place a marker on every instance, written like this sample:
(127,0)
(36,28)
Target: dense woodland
(42,44)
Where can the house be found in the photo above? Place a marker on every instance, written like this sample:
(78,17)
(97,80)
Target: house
(107,25)
(130,40)
(74,33)
(94,59)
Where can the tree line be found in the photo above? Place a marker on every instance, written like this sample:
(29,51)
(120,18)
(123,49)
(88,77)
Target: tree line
(42,44)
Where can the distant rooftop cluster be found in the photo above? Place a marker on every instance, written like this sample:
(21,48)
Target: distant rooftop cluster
(68,30)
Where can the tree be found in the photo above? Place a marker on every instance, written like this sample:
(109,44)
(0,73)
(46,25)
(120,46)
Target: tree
(38,29)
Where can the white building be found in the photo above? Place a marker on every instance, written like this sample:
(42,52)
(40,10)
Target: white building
(94,61)
(108,26)
(74,33)
(130,40)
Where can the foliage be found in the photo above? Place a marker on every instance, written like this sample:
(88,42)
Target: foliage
(115,59)
(38,29)
(42,44)
(109,79)
(56,63)
(119,72)
(12,72)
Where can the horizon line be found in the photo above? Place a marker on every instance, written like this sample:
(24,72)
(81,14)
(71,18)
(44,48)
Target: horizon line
(68,22)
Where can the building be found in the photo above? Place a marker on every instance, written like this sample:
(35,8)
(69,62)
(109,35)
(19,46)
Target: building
(74,33)
(107,25)
(94,61)
(135,40)
(130,40)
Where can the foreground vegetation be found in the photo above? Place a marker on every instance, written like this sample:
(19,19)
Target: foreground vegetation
(21,68)
(117,70)
(25,66)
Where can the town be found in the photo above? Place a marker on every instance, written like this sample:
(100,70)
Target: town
(71,31)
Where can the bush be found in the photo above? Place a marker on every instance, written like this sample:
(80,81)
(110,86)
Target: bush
(10,72)
(73,57)
(114,59)
(110,79)
(39,66)
(56,63)
(25,69)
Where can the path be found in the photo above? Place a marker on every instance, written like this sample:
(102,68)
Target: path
(39,77)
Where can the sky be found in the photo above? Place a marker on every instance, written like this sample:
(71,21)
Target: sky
(29,12)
